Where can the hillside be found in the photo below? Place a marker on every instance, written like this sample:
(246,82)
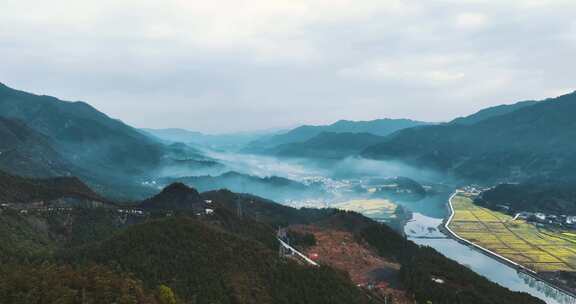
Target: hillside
(204,265)
(19,190)
(492,112)
(548,196)
(533,141)
(379,127)
(176,196)
(48,283)
(273,187)
(328,145)
(86,137)
(47,137)
(29,153)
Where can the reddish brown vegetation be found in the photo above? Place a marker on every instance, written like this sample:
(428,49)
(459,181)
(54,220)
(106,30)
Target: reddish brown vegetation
(341,250)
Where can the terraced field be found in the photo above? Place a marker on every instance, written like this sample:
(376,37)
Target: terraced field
(533,247)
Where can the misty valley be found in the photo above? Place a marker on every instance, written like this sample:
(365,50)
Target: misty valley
(481,209)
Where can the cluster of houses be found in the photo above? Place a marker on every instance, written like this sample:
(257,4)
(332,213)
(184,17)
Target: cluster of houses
(125,211)
(475,189)
(538,218)
(141,213)
(25,211)
(542,219)
(132,212)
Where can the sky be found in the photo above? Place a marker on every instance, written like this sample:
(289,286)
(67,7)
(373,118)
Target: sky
(238,65)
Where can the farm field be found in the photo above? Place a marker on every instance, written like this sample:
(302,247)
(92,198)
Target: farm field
(374,208)
(536,248)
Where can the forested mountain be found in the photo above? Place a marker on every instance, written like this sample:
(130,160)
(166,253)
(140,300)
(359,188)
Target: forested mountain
(534,141)
(328,145)
(380,127)
(84,136)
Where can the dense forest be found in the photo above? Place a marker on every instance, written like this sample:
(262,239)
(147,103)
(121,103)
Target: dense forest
(548,196)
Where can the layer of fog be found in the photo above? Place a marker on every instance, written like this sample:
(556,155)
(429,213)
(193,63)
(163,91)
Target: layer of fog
(337,180)
(266,166)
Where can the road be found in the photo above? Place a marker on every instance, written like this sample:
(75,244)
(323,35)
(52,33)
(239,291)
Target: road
(305,258)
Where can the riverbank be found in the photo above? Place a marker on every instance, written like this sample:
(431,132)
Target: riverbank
(452,234)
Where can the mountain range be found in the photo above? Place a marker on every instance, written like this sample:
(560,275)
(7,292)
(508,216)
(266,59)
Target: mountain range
(327,145)
(379,127)
(47,137)
(215,141)
(85,136)
(530,140)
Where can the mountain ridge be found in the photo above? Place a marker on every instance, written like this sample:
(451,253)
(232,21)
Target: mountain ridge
(379,127)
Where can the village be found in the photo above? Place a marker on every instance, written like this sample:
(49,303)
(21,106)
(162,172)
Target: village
(539,219)
(43,208)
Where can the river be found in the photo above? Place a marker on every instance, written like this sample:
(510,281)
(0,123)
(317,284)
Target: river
(423,229)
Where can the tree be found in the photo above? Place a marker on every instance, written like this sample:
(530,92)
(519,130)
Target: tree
(166,295)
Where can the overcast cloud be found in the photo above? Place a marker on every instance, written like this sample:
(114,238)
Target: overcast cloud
(233,65)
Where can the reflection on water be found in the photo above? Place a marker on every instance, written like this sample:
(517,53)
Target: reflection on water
(421,226)
(548,290)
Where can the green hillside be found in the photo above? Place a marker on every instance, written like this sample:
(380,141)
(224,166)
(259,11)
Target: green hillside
(27,152)
(533,141)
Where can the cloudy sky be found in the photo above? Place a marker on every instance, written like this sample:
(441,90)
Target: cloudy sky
(236,65)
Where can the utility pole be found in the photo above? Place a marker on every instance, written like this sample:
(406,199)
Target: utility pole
(239,208)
